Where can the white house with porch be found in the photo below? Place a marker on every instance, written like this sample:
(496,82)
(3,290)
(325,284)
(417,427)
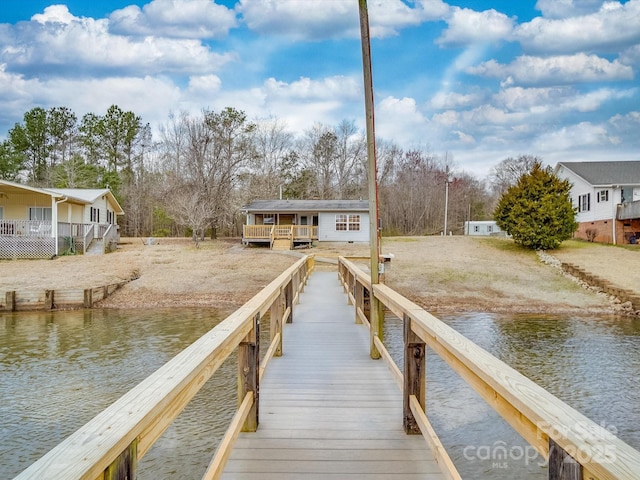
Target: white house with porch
(285,224)
(607,198)
(45,222)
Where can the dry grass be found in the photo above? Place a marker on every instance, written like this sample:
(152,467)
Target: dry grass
(440,273)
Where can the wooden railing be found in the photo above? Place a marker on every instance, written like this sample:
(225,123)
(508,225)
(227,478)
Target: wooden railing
(110,445)
(269,232)
(570,441)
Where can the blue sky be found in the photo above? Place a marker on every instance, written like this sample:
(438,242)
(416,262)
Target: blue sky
(478,80)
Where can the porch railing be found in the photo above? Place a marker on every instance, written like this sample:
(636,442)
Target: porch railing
(629,210)
(25,228)
(268,232)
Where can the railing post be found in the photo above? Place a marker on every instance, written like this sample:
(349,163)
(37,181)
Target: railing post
(276,313)
(248,373)
(359,296)
(288,295)
(414,375)
(125,466)
(562,466)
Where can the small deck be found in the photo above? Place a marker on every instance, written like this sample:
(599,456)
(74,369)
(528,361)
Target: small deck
(326,409)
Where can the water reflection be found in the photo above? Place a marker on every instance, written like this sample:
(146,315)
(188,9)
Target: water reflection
(58,370)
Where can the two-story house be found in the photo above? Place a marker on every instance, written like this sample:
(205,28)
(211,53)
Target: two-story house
(607,198)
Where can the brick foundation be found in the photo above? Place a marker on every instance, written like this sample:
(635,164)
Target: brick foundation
(603,230)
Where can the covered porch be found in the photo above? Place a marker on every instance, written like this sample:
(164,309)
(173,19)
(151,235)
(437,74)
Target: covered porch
(28,239)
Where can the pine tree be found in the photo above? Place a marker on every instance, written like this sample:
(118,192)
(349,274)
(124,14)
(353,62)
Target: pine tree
(537,212)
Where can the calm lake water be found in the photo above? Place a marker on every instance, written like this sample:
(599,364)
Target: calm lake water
(58,370)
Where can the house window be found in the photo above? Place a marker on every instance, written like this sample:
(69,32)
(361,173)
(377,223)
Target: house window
(40,213)
(346,223)
(584,202)
(489,228)
(603,196)
(95,215)
(268,219)
(476,228)
(1,213)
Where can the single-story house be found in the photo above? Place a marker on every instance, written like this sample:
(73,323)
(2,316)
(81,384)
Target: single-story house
(45,222)
(284,224)
(607,198)
(482,228)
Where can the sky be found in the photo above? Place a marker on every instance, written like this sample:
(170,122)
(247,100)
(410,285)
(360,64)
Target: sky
(476,80)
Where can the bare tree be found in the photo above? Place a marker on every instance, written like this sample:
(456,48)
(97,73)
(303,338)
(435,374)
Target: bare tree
(509,170)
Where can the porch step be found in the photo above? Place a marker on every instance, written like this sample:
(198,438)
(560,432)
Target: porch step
(281,244)
(95,248)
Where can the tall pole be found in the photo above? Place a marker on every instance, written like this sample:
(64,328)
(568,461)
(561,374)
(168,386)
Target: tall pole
(377,314)
(446,199)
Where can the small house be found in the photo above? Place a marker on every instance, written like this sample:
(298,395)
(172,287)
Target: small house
(45,222)
(482,228)
(606,196)
(284,224)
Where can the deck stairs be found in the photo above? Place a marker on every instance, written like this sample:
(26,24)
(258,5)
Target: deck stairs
(96,247)
(281,244)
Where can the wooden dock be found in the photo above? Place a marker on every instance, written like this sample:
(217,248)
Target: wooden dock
(327,410)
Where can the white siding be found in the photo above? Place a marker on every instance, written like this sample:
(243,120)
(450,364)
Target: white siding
(327,228)
(482,228)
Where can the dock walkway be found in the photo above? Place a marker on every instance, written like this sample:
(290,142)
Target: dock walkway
(327,410)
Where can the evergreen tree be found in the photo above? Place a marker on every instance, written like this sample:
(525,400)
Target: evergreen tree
(537,212)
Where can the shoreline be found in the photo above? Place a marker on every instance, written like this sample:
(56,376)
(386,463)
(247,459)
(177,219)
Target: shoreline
(441,274)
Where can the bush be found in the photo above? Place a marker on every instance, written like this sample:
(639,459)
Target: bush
(537,212)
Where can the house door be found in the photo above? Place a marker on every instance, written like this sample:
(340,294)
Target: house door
(315,220)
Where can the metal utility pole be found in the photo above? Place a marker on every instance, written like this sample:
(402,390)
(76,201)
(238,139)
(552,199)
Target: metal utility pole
(377,314)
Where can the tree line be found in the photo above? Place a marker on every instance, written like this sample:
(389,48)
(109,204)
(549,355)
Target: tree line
(199,170)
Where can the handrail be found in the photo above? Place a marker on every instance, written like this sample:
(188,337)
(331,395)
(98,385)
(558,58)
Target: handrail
(126,430)
(540,417)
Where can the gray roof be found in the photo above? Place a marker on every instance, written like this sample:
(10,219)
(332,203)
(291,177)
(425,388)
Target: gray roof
(606,173)
(270,206)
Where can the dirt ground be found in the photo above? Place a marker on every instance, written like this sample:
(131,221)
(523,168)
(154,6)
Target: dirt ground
(440,273)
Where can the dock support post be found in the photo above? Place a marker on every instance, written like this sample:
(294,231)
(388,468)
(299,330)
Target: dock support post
(414,375)
(88,297)
(10,301)
(48,299)
(125,466)
(562,466)
(276,313)
(248,373)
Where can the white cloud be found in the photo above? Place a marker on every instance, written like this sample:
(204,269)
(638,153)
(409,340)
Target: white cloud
(631,56)
(614,26)
(58,41)
(555,70)
(466,27)
(577,136)
(447,100)
(339,88)
(174,18)
(400,120)
(54,14)
(555,100)
(301,20)
(567,8)
(315,20)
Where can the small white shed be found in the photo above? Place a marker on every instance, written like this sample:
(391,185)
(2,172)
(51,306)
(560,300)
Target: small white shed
(482,228)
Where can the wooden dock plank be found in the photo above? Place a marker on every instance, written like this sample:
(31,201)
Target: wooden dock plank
(327,410)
